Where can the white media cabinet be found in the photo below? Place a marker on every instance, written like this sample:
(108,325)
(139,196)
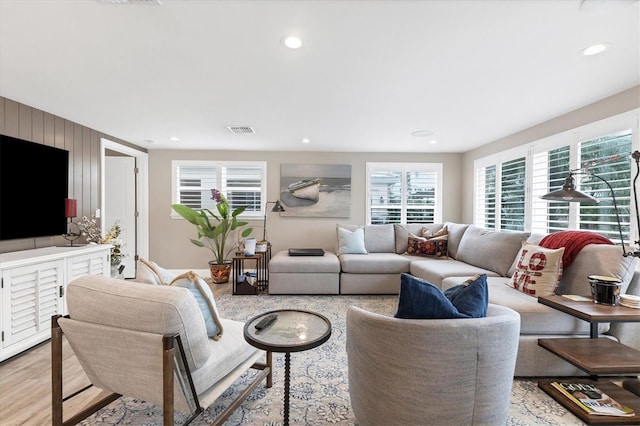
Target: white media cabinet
(33,288)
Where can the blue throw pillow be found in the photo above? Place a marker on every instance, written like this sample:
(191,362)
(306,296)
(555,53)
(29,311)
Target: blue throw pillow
(471,297)
(419,299)
(204,296)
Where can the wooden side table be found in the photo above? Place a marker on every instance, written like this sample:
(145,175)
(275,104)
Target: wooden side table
(242,262)
(595,356)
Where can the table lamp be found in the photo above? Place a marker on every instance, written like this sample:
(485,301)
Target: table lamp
(70,211)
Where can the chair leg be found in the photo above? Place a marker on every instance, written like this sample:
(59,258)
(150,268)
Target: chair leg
(168,353)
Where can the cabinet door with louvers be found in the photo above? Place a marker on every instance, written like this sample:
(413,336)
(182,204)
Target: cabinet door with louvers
(31,294)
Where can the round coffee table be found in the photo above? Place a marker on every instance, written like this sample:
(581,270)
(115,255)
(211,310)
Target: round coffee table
(292,331)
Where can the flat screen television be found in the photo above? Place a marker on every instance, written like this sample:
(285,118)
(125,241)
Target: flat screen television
(34,181)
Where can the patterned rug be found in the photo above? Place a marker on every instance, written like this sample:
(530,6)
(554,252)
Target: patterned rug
(319,392)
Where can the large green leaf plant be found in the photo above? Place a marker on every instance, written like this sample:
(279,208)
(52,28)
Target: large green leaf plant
(215,228)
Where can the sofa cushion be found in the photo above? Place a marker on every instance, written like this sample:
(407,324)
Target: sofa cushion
(374,263)
(536,318)
(456,231)
(435,269)
(281,262)
(402,233)
(538,270)
(419,299)
(206,302)
(596,259)
(493,250)
(379,238)
(351,241)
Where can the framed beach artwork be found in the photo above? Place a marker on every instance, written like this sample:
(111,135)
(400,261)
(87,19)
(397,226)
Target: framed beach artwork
(315,190)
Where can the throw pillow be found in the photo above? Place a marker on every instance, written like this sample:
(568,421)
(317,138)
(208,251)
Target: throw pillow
(204,296)
(426,247)
(419,299)
(471,297)
(351,242)
(538,270)
(148,272)
(442,232)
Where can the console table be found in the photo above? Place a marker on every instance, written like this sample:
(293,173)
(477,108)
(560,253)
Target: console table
(33,289)
(595,356)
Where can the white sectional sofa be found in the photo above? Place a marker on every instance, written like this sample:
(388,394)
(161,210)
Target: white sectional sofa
(473,250)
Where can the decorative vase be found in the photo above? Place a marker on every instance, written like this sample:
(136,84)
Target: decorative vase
(220,273)
(114,272)
(249,246)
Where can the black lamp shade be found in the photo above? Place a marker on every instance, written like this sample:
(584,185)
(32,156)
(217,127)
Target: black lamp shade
(569,193)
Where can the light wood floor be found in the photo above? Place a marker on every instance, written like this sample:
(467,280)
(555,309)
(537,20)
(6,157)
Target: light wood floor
(25,383)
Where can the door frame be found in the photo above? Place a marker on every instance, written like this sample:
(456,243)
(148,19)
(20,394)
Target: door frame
(141,190)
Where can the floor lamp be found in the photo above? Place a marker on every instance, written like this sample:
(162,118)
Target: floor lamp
(571,194)
(278,208)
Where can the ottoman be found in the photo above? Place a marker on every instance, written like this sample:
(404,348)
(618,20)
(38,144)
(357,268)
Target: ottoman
(304,274)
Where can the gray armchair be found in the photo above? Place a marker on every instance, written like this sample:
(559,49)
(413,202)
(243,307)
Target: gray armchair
(441,372)
(149,342)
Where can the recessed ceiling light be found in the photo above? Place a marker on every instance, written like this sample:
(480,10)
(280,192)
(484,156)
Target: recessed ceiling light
(595,49)
(433,142)
(292,42)
(306,140)
(174,139)
(422,133)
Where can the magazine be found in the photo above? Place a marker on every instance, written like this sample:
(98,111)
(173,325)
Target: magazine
(593,400)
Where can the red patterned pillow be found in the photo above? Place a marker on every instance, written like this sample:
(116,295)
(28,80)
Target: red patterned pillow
(538,270)
(420,246)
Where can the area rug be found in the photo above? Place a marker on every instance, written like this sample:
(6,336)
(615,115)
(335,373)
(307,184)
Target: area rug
(319,393)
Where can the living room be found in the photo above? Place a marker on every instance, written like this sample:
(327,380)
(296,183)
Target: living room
(54,112)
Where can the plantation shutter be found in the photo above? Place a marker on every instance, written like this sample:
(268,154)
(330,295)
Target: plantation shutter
(242,187)
(194,185)
(607,157)
(485,197)
(550,168)
(404,192)
(512,195)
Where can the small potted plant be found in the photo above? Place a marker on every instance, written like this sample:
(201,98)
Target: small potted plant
(214,231)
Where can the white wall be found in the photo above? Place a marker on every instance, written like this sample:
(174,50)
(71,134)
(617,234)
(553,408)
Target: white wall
(169,245)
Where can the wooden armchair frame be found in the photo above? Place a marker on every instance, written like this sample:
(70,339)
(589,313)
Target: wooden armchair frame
(173,358)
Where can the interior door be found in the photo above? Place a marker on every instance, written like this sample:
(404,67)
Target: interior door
(120,205)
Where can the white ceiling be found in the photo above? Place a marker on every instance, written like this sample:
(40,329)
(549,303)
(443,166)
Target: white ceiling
(369,73)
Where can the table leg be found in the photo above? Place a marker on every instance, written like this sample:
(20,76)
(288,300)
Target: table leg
(287,370)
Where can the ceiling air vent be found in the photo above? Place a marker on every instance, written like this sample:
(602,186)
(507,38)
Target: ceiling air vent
(240,130)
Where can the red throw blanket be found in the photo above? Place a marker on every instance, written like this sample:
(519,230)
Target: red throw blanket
(573,242)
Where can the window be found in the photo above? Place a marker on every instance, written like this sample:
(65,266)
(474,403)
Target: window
(404,193)
(508,185)
(242,183)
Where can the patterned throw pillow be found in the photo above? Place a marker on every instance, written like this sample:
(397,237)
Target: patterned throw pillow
(429,244)
(538,270)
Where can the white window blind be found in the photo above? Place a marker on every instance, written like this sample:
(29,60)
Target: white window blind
(404,192)
(512,194)
(242,183)
(602,148)
(485,196)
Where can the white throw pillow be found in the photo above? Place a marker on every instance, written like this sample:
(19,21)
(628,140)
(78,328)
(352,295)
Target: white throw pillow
(538,270)
(148,272)
(351,242)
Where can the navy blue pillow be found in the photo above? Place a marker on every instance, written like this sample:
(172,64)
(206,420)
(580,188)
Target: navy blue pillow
(471,297)
(419,299)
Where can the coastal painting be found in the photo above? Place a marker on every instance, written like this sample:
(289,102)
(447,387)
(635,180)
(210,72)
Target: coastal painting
(316,190)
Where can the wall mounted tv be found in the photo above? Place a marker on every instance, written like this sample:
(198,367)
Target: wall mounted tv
(34,181)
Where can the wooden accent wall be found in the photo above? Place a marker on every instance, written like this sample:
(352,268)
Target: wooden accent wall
(24,122)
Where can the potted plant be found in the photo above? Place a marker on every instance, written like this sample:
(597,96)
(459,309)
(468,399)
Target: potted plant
(214,231)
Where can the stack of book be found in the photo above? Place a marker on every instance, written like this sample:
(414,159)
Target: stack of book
(593,400)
